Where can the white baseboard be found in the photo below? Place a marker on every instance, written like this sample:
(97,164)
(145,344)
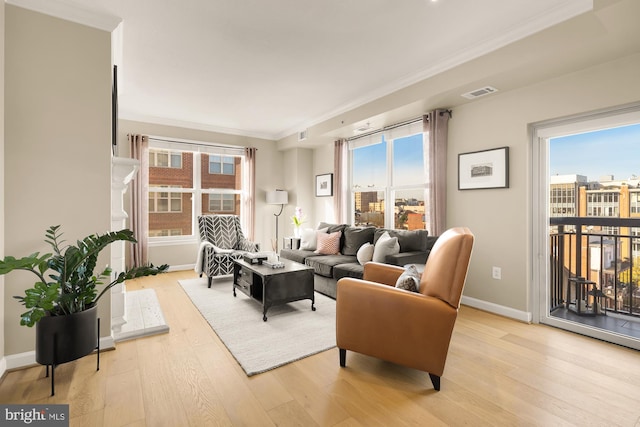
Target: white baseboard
(26,359)
(501,310)
(3,366)
(182,267)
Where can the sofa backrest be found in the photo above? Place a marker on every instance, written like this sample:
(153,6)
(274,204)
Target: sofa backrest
(409,240)
(354,237)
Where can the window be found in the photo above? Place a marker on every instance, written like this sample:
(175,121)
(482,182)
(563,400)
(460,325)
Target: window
(165,201)
(222,202)
(603,204)
(165,233)
(389,178)
(165,159)
(189,179)
(221,165)
(634,202)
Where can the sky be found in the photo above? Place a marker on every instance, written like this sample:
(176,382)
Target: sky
(369,163)
(614,151)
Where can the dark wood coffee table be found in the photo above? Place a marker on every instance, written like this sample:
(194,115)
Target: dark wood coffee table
(273,286)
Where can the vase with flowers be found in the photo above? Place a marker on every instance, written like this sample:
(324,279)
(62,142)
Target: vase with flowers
(297,220)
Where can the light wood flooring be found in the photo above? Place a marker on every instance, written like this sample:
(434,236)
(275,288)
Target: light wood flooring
(499,372)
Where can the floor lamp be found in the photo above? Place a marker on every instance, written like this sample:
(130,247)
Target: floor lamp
(277,197)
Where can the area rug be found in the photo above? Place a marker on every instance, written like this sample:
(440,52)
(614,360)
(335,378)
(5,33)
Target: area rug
(292,331)
(144,316)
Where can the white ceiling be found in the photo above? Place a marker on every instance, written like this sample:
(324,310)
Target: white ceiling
(272,68)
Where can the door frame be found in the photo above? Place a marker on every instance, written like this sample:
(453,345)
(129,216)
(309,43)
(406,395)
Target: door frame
(540,133)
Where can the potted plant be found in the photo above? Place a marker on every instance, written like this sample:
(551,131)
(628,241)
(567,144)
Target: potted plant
(62,303)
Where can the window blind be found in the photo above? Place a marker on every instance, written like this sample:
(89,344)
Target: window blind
(399,130)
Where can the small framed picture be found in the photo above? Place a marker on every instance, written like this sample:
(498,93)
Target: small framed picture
(324,185)
(484,169)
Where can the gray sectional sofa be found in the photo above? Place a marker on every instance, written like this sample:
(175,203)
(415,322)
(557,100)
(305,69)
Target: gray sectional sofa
(414,245)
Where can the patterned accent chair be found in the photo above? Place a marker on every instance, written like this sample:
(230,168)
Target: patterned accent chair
(222,241)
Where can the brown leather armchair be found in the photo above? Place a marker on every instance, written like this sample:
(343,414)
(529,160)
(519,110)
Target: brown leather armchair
(412,329)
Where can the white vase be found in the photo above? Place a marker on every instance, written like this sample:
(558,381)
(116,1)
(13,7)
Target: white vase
(296,232)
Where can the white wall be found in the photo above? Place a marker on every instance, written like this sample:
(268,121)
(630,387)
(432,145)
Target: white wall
(298,181)
(2,190)
(322,164)
(589,63)
(501,219)
(57,145)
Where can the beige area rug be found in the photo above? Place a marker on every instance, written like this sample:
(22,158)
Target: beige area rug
(292,331)
(144,316)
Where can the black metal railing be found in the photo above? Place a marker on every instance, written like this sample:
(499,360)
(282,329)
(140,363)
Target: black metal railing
(603,250)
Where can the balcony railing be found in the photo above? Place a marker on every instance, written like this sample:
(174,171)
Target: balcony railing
(602,250)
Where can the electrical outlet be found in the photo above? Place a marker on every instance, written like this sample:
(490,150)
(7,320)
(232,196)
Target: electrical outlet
(496,273)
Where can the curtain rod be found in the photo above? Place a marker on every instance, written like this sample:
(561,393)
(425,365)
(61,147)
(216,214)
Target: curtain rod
(396,125)
(386,128)
(188,141)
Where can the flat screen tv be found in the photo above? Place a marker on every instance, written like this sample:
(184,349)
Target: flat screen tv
(114,112)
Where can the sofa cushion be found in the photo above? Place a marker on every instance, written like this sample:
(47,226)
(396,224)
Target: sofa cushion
(355,237)
(332,228)
(404,258)
(296,254)
(365,253)
(323,264)
(348,270)
(386,245)
(409,240)
(309,238)
(328,243)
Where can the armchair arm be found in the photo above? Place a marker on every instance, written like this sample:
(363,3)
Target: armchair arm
(392,324)
(382,273)
(247,245)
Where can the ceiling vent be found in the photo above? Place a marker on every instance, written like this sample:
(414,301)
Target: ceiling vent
(302,135)
(477,93)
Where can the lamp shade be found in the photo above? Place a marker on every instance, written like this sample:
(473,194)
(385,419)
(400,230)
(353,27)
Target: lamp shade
(277,197)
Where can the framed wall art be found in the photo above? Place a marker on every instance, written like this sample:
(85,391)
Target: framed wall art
(484,169)
(324,185)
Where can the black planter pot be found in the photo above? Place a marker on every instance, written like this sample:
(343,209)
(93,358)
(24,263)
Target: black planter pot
(61,339)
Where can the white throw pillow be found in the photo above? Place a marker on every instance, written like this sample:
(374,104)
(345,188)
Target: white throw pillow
(365,253)
(308,239)
(386,245)
(410,279)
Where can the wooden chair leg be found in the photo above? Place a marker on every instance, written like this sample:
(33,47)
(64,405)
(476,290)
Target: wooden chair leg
(435,380)
(343,357)
(210,279)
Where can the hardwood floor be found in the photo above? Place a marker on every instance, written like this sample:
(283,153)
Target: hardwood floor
(499,372)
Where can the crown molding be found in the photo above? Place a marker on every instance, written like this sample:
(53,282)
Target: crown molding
(69,12)
(135,117)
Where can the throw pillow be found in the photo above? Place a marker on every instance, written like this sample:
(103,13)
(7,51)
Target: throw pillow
(355,237)
(365,253)
(308,239)
(386,245)
(409,280)
(328,243)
